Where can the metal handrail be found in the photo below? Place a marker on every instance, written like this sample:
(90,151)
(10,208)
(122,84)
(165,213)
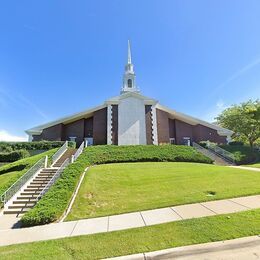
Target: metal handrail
(53,179)
(8,194)
(79,151)
(60,152)
(220,151)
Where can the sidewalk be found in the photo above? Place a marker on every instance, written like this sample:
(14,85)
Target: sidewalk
(246,168)
(241,248)
(126,221)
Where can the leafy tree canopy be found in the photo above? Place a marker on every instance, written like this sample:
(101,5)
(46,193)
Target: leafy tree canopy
(243,119)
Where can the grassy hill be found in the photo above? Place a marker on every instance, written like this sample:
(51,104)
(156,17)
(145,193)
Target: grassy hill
(127,187)
(53,204)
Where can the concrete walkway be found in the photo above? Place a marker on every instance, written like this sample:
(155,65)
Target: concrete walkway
(126,221)
(246,168)
(241,248)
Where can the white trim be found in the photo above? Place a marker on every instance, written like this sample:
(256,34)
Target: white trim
(109,124)
(154,126)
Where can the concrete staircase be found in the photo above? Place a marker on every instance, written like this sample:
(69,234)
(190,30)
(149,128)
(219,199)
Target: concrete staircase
(218,160)
(28,197)
(67,154)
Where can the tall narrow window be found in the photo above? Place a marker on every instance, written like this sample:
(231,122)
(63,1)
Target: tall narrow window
(129,83)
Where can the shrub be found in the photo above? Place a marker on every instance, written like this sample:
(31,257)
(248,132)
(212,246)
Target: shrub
(14,156)
(41,145)
(236,143)
(51,207)
(243,154)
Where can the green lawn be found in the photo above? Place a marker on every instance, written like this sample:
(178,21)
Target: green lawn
(117,188)
(151,238)
(11,172)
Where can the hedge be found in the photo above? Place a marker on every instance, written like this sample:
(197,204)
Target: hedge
(243,154)
(14,156)
(51,207)
(41,145)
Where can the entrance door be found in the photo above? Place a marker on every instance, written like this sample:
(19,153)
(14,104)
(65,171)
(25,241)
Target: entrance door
(89,141)
(186,141)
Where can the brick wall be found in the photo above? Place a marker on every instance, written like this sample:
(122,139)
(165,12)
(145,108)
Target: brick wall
(53,133)
(148,124)
(162,126)
(115,124)
(100,126)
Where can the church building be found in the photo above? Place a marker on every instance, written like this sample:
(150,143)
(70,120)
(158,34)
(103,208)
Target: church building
(130,119)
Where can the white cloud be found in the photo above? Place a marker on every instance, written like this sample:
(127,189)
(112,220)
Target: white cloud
(8,137)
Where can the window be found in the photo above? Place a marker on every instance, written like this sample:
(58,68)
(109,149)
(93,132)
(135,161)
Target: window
(129,83)
(172,140)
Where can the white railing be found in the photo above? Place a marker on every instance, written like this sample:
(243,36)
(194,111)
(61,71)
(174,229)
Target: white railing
(78,152)
(225,154)
(54,178)
(8,194)
(60,152)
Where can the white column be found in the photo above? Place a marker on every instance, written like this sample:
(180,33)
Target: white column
(109,124)
(154,126)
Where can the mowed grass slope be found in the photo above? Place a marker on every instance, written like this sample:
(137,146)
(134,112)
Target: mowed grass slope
(127,187)
(138,240)
(51,207)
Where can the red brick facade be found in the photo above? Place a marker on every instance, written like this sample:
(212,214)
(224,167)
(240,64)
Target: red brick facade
(96,127)
(172,128)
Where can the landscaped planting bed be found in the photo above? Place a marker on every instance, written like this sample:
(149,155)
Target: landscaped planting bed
(51,207)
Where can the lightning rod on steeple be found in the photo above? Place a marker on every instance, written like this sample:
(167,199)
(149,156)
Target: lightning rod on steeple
(129,53)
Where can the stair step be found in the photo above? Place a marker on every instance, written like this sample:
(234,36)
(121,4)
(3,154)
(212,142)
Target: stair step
(30,193)
(16,211)
(45,174)
(25,201)
(39,181)
(36,186)
(27,197)
(21,206)
(34,189)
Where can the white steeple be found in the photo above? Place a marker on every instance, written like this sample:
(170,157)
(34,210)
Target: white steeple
(129,75)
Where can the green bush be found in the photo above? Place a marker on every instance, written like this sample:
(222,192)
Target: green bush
(41,145)
(236,143)
(51,207)
(243,154)
(14,156)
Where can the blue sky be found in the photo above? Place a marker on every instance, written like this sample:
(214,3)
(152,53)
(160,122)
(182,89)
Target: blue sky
(61,57)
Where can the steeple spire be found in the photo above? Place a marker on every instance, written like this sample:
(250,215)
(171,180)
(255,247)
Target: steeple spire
(129,53)
(129,75)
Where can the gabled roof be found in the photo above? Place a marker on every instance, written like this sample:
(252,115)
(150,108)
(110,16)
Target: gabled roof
(65,120)
(116,100)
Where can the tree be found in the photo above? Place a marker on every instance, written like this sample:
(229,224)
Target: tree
(243,119)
